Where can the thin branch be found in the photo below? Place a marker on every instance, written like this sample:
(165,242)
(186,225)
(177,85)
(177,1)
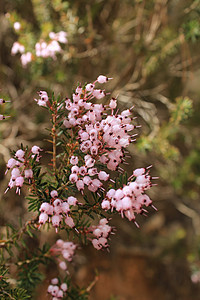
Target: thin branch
(53,133)
(10,296)
(88,289)
(16,236)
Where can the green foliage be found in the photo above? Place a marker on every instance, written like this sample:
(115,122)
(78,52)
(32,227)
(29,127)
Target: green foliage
(29,276)
(7,292)
(76,294)
(192,30)
(121,180)
(29,273)
(181,111)
(162,143)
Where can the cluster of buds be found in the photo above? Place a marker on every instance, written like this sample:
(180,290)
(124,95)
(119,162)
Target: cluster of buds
(84,175)
(56,290)
(21,169)
(42,48)
(65,251)
(130,199)
(101,233)
(57,211)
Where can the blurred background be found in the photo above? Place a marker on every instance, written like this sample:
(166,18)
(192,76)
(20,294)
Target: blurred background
(151,50)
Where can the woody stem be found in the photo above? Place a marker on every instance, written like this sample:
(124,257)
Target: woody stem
(54,143)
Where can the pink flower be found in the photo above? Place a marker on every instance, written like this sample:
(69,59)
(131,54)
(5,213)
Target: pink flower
(80,185)
(74,160)
(11,163)
(28,173)
(15,173)
(64,287)
(54,194)
(103,176)
(43,218)
(54,281)
(26,58)
(19,153)
(102,79)
(17,47)
(73,178)
(17,26)
(72,200)
(69,221)
(113,103)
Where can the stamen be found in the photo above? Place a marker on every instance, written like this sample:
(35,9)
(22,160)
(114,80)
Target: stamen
(149,167)
(153,207)
(6,190)
(136,224)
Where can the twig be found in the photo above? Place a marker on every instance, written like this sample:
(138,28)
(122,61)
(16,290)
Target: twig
(11,297)
(18,235)
(88,289)
(53,132)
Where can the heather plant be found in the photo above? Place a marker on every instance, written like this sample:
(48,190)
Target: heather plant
(151,50)
(83,187)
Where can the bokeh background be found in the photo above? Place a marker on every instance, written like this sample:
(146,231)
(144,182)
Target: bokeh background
(151,49)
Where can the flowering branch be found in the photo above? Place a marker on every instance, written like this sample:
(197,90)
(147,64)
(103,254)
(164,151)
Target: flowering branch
(93,139)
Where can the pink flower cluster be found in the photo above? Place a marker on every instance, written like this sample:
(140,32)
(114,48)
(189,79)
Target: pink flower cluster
(43,99)
(98,138)
(55,290)
(42,48)
(60,36)
(103,135)
(101,233)
(57,211)
(21,169)
(65,250)
(84,175)
(130,199)
(17,48)
(25,57)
